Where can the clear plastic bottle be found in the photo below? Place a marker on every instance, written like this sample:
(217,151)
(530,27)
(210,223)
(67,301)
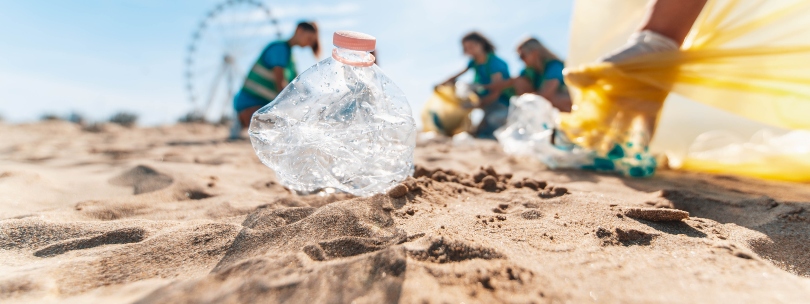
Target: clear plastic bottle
(341,124)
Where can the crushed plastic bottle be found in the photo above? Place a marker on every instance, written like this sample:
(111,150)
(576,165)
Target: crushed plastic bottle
(531,130)
(341,124)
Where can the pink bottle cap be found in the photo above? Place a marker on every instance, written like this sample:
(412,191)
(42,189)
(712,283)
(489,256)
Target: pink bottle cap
(355,41)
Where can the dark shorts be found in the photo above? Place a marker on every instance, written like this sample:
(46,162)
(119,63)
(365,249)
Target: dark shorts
(244,100)
(494,118)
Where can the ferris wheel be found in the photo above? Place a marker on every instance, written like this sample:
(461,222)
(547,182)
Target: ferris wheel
(222,47)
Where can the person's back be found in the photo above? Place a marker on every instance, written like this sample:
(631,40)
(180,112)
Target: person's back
(261,86)
(272,72)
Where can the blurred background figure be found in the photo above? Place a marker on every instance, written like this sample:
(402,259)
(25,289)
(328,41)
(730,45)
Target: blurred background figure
(273,71)
(488,69)
(542,75)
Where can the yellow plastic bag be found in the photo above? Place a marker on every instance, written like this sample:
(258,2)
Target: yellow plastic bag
(751,58)
(444,114)
(766,155)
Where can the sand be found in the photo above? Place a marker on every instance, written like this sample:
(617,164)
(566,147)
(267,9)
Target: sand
(177,214)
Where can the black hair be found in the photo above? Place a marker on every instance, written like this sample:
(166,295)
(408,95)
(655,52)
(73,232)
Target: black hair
(311,26)
(478,37)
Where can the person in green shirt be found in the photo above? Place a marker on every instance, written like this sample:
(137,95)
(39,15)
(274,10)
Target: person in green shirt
(488,69)
(273,71)
(543,75)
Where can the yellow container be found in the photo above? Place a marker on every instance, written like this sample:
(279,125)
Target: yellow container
(444,114)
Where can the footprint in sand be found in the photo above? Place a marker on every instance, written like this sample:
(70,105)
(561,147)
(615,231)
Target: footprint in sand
(441,250)
(626,237)
(531,214)
(142,179)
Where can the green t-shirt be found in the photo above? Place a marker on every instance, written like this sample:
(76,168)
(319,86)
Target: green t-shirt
(260,81)
(553,69)
(483,75)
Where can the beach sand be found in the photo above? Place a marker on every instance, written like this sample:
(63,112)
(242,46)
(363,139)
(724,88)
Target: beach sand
(177,214)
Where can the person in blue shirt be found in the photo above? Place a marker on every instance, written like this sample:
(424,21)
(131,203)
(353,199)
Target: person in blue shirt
(488,69)
(543,75)
(273,71)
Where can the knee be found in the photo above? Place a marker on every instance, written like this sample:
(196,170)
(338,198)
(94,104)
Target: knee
(562,102)
(246,114)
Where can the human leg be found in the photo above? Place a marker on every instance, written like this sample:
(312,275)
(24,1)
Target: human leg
(494,117)
(246,114)
(561,101)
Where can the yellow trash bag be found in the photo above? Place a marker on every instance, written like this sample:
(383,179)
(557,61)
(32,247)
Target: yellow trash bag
(443,112)
(766,155)
(751,58)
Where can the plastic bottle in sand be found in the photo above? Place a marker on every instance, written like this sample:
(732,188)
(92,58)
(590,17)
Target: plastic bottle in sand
(341,124)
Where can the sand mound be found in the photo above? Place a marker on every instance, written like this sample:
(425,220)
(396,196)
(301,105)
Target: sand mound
(340,229)
(372,278)
(142,179)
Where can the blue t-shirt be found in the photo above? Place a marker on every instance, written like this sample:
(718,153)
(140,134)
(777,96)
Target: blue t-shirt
(483,74)
(277,54)
(553,69)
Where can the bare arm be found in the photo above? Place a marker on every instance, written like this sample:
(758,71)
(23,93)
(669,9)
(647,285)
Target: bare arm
(452,80)
(559,100)
(549,88)
(673,18)
(278,74)
(501,85)
(493,93)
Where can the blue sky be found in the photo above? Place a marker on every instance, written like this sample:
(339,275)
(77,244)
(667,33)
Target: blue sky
(97,57)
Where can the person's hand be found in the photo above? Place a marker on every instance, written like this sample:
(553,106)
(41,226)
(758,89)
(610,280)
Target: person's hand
(640,44)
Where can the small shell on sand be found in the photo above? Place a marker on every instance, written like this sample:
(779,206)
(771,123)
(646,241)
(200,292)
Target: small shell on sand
(657,214)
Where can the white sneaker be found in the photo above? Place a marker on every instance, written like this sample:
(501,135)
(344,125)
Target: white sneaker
(642,43)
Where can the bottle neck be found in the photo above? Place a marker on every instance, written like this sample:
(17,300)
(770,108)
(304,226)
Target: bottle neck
(352,57)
